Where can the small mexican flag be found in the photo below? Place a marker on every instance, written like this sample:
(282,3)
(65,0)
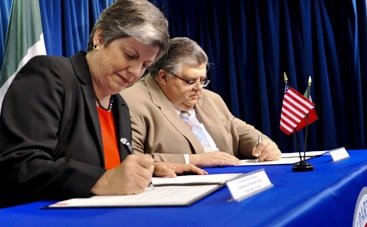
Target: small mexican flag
(24,40)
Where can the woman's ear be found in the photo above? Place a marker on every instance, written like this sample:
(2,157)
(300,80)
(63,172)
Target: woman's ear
(98,38)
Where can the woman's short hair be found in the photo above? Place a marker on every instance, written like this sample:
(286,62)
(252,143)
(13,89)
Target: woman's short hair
(181,51)
(139,19)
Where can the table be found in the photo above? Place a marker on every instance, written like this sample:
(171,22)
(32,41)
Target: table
(325,196)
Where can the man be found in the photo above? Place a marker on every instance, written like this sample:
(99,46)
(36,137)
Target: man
(175,119)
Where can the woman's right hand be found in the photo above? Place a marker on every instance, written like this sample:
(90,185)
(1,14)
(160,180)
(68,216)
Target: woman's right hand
(132,176)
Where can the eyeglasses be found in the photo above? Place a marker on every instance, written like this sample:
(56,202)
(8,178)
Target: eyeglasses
(203,83)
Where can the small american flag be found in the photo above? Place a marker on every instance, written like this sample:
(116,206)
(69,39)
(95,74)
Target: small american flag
(297,111)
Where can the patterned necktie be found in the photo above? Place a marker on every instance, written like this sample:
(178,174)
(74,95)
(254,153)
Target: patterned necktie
(195,127)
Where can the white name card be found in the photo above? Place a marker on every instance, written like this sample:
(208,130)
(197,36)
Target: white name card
(249,184)
(339,154)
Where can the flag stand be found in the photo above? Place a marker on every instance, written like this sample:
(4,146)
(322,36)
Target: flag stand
(303,165)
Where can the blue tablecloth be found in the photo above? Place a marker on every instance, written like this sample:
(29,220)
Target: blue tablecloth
(325,196)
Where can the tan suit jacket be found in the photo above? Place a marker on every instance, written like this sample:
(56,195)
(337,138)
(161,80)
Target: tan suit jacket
(157,128)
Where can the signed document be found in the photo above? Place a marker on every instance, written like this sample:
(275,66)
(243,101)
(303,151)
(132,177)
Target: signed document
(178,191)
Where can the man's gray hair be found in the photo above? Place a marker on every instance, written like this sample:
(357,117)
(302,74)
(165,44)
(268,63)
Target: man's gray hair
(181,51)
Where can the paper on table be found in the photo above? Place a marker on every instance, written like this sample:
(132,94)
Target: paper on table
(286,158)
(177,191)
(158,196)
(308,154)
(195,179)
(281,161)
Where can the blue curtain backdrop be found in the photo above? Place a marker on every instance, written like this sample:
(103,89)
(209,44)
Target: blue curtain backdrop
(250,44)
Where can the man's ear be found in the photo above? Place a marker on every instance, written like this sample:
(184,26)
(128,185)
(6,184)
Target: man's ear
(161,77)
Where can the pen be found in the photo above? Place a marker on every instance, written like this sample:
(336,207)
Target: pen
(259,139)
(127,145)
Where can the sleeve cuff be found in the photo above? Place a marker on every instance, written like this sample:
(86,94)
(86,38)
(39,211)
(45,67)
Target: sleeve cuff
(187,159)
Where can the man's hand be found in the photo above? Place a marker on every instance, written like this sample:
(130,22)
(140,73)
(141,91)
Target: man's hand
(266,150)
(166,169)
(213,159)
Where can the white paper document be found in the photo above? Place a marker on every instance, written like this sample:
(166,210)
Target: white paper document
(281,161)
(178,191)
(286,158)
(195,179)
(157,196)
(310,154)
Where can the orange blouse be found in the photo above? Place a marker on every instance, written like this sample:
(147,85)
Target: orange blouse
(109,141)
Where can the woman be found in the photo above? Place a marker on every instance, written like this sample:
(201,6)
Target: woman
(62,121)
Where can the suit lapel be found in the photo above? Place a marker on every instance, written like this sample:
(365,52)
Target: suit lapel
(82,72)
(169,112)
(122,118)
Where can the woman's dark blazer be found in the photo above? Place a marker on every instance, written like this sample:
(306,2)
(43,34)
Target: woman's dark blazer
(50,140)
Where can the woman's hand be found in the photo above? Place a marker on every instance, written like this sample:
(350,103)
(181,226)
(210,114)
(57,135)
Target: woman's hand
(132,176)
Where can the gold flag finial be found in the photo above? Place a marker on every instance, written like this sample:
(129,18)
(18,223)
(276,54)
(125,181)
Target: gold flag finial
(309,81)
(285,77)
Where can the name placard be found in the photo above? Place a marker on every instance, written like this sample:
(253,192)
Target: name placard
(339,154)
(249,184)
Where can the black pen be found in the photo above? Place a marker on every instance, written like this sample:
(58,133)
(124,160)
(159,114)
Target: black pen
(127,145)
